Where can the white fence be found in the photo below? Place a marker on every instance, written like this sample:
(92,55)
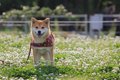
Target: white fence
(96,22)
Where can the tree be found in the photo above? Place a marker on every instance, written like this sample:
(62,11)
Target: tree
(6,5)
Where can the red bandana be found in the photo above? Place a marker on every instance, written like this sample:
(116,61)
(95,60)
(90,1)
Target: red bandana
(48,43)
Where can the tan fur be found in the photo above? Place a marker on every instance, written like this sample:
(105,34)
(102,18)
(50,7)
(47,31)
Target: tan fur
(45,52)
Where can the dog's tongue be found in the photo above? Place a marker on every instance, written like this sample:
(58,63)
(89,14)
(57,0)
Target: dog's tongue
(39,35)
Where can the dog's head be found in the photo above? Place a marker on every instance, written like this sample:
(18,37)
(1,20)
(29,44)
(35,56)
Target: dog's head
(40,28)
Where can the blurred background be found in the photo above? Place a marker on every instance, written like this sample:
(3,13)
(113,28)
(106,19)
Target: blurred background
(87,17)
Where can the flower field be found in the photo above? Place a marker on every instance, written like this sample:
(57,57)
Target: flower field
(76,58)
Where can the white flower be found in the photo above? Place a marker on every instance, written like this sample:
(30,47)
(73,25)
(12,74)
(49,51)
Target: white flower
(93,73)
(115,69)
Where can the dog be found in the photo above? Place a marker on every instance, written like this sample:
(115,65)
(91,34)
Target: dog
(42,42)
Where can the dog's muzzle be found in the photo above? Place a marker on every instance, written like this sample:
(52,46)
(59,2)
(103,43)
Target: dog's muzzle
(39,33)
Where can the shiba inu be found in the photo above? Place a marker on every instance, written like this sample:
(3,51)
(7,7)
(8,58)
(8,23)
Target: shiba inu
(42,42)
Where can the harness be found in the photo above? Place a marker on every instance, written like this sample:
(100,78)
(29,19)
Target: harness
(48,43)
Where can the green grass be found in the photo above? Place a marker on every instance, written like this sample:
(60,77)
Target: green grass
(76,58)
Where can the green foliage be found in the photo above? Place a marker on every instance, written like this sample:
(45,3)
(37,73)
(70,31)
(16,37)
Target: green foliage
(76,57)
(60,10)
(27,12)
(75,6)
(44,11)
(117,45)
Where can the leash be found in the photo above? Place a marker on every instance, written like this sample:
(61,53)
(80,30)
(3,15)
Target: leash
(29,52)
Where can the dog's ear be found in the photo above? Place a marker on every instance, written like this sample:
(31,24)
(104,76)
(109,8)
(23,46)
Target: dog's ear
(47,20)
(33,20)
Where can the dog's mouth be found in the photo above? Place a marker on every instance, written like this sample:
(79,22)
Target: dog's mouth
(39,35)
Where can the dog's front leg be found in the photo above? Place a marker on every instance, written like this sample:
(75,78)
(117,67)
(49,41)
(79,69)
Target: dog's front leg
(51,56)
(46,56)
(36,56)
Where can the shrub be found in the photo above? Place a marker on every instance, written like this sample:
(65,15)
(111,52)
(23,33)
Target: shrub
(28,12)
(60,10)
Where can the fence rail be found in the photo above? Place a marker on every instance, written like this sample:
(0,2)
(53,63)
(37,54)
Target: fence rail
(23,22)
(65,23)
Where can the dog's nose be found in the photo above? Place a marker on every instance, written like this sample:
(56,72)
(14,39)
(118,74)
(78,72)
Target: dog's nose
(39,32)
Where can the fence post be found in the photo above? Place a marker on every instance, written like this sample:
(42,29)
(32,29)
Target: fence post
(25,25)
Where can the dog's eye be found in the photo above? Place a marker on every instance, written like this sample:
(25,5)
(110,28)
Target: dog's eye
(36,27)
(42,27)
